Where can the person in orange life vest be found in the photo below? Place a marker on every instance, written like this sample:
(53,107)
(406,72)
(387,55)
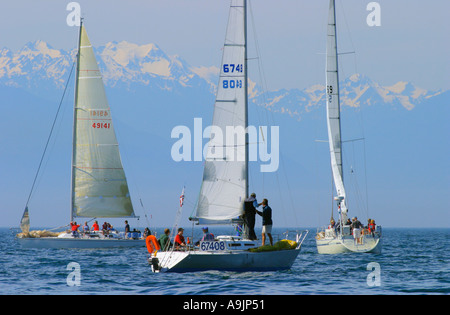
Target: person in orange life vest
(179,239)
(74,227)
(95,226)
(372,226)
(152,243)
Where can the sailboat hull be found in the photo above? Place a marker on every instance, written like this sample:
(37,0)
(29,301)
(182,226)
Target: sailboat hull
(61,243)
(226,261)
(348,245)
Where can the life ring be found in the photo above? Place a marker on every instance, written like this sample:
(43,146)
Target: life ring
(152,244)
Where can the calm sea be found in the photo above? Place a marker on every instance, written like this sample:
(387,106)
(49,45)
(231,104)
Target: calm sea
(413,261)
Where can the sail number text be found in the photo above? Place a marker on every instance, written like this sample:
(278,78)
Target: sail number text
(101,125)
(329,89)
(231,67)
(212,246)
(232,83)
(330,92)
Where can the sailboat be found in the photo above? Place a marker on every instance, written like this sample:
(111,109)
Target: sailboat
(225,177)
(99,187)
(339,239)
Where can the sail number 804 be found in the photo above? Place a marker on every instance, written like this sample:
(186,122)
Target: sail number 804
(232,84)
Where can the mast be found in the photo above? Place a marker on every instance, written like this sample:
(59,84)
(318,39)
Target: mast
(333,111)
(74,124)
(246,100)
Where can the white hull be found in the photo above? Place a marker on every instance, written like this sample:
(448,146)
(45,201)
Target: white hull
(348,245)
(57,242)
(226,261)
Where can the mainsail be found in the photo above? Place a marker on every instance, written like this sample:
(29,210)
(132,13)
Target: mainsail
(99,186)
(333,108)
(225,175)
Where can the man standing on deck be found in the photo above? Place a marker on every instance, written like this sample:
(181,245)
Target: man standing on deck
(266,221)
(250,205)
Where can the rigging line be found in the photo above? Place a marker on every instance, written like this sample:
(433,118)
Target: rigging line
(349,36)
(50,135)
(262,81)
(269,118)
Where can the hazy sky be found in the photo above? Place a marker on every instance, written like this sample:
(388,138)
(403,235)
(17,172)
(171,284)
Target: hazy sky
(410,45)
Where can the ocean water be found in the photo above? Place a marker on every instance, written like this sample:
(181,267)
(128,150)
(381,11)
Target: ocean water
(413,261)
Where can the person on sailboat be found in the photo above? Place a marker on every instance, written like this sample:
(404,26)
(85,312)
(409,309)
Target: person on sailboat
(105,228)
(266,221)
(250,205)
(86,228)
(332,224)
(74,227)
(356,225)
(371,226)
(164,240)
(206,236)
(179,239)
(95,226)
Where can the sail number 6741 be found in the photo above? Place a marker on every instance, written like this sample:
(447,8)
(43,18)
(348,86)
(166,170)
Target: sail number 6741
(231,67)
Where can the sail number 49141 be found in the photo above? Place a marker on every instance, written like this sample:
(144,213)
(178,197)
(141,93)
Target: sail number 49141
(101,125)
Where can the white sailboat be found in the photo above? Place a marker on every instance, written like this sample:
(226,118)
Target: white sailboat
(225,178)
(338,239)
(99,187)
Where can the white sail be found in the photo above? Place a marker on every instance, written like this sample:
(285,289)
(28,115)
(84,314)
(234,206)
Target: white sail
(99,186)
(333,108)
(224,186)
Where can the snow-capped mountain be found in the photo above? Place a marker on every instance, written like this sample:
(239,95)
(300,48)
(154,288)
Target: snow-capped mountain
(126,65)
(355,91)
(123,64)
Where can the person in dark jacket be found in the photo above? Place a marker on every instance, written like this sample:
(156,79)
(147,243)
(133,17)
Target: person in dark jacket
(250,205)
(266,221)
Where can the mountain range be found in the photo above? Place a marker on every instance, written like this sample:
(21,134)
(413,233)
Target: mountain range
(404,126)
(130,66)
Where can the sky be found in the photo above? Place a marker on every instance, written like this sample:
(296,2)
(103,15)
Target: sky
(410,44)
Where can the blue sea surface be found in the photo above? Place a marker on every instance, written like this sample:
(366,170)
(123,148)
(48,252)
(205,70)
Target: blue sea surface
(413,261)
